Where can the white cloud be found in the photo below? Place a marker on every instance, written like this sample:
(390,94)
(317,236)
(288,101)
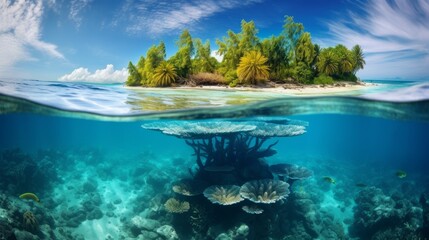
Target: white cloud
(158,17)
(106,75)
(20,31)
(216,55)
(394,35)
(76,7)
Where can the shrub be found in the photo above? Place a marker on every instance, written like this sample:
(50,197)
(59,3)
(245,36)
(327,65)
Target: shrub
(302,73)
(205,78)
(323,79)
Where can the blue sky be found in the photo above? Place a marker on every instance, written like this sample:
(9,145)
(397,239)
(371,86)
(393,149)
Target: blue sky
(93,40)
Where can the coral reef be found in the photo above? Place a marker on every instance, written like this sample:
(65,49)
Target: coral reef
(223,195)
(198,129)
(175,206)
(424,230)
(252,209)
(378,216)
(228,152)
(30,222)
(291,172)
(188,187)
(265,191)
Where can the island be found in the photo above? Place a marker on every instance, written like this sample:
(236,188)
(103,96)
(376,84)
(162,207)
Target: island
(289,60)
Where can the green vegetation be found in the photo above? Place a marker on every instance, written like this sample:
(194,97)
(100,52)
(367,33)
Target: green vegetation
(164,75)
(323,79)
(289,57)
(252,67)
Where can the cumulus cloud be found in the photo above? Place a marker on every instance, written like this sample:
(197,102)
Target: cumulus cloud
(394,35)
(106,75)
(20,22)
(161,16)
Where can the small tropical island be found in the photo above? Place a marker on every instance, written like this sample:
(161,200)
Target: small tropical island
(289,59)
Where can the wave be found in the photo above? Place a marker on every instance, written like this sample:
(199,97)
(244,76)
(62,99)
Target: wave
(116,103)
(412,110)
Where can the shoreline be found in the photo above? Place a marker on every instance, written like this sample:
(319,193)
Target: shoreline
(287,88)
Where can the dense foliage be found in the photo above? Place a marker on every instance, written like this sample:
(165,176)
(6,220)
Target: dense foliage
(246,59)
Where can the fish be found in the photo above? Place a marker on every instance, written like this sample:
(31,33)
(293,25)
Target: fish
(30,196)
(329,180)
(401,174)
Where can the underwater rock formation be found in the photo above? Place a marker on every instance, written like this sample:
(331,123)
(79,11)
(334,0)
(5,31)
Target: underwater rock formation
(21,172)
(424,231)
(378,216)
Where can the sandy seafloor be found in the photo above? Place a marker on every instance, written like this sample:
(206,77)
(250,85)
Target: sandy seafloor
(111,179)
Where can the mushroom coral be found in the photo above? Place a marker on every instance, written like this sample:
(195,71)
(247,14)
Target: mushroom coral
(252,209)
(188,187)
(265,191)
(198,130)
(268,130)
(223,194)
(291,171)
(175,206)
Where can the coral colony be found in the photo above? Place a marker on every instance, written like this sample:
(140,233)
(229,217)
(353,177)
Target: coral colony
(226,189)
(231,168)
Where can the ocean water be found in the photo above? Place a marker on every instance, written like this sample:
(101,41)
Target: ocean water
(105,164)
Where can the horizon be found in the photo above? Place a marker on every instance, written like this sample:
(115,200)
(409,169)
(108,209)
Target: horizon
(92,39)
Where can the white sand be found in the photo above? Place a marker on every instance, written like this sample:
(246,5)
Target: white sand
(286,89)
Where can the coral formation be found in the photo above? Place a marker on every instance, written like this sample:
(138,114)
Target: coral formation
(265,191)
(188,187)
(199,129)
(424,231)
(223,195)
(291,172)
(252,209)
(379,216)
(30,222)
(175,206)
(268,130)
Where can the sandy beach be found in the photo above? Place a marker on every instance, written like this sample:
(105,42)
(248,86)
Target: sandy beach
(287,89)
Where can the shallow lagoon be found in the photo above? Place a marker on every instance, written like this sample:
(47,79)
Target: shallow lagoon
(101,177)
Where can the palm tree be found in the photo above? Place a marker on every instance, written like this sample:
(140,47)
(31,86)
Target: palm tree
(164,74)
(345,59)
(327,63)
(358,60)
(305,51)
(134,77)
(253,67)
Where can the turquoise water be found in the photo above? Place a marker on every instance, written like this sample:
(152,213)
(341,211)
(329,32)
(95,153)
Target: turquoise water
(109,173)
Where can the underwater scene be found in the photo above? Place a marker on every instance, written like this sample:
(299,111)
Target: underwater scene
(335,167)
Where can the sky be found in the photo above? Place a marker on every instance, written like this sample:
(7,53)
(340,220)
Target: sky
(93,40)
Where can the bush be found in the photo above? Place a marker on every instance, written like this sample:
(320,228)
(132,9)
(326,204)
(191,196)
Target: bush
(302,73)
(233,83)
(323,79)
(205,78)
